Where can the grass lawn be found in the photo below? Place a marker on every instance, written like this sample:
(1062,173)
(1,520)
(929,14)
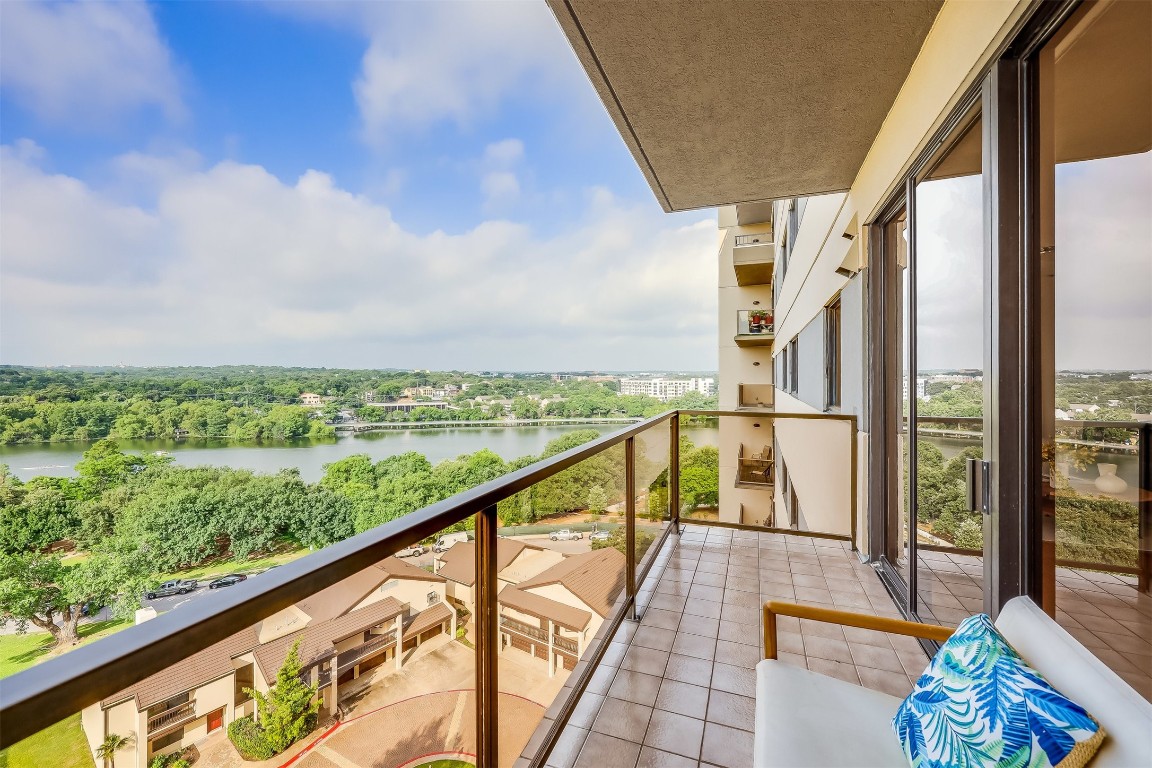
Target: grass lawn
(215,568)
(60,746)
(18,652)
(447,764)
(63,745)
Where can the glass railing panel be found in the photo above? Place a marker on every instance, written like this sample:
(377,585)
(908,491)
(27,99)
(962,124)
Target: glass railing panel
(652,512)
(561,592)
(755,322)
(391,643)
(780,471)
(699,458)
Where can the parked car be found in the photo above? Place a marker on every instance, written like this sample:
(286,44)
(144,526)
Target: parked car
(445,542)
(91,609)
(599,536)
(174,587)
(227,581)
(412,551)
(565,535)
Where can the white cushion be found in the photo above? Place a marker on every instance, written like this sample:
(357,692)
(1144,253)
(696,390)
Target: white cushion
(1073,670)
(805,718)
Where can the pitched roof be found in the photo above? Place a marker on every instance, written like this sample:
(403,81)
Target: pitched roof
(331,619)
(202,667)
(459,562)
(541,607)
(596,577)
(342,596)
(316,639)
(427,618)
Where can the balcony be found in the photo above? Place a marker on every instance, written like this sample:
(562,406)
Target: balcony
(752,396)
(172,718)
(753,258)
(667,676)
(351,657)
(756,469)
(754,328)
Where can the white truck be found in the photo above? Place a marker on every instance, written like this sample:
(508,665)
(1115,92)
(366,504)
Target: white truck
(445,542)
(565,534)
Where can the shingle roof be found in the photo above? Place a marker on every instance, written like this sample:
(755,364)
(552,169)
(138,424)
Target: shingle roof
(596,577)
(427,618)
(331,620)
(316,640)
(542,607)
(213,662)
(342,596)
(459,562)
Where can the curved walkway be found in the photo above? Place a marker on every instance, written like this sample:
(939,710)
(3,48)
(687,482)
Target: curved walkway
(430,724)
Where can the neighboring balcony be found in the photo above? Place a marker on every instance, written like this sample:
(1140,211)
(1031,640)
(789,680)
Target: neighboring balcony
(754,470)
(171,718)
(753,258)
(755,328)
(756,396)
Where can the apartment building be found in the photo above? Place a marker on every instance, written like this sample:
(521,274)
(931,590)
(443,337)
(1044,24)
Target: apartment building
(515,562)
(363,622)
(666,389)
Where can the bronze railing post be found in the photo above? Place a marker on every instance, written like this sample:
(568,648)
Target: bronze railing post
(487,641)
(1144,508)
(630,523)
(674,472)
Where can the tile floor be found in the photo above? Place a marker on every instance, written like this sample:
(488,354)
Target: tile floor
(1104,611)
(678,687)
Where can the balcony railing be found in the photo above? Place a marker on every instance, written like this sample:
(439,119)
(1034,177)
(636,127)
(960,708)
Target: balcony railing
(755,469)
(521,628)
(352,656)
(754,327)
(170,718)
(756,395)
(565,644)
(762,239)
(50,692)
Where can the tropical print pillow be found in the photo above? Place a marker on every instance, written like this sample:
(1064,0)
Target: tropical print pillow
(979,704)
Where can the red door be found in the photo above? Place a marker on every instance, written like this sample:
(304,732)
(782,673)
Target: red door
(215,719)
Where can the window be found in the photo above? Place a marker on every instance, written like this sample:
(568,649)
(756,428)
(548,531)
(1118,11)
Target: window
(793,367)
(243,680)
(832,354)
(168,739)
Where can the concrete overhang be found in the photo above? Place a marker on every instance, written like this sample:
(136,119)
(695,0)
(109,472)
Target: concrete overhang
(727,102)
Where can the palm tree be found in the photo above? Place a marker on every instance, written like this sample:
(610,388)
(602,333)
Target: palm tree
(108,748)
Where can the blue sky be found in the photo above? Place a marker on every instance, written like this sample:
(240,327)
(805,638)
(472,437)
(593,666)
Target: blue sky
(410,184)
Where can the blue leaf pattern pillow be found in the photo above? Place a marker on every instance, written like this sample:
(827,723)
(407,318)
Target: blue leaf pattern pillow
(980,704)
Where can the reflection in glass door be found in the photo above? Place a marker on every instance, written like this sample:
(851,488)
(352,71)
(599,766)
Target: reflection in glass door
(1095,174)
(946,397)
(934,542)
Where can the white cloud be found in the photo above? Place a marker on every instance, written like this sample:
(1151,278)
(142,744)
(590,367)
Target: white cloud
(504,153)
(500,188)
(429,62)
(85,63)
(232,265)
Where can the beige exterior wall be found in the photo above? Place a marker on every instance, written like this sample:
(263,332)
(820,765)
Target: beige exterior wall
(740,365)
(961,44)
(410,592)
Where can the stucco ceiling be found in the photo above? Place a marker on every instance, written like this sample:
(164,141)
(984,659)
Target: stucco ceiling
(727,102)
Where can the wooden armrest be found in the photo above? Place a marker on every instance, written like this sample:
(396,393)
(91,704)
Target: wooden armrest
(774,608)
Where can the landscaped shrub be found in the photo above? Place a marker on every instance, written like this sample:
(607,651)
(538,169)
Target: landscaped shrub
(249,739)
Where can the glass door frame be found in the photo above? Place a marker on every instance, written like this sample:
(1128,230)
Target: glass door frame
(1013,394)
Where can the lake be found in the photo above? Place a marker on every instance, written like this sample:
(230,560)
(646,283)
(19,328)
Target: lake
(310,456)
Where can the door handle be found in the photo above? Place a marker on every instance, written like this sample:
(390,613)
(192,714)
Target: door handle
(978,486)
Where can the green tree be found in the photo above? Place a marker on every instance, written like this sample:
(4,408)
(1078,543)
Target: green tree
(41,590)
(287,713)
(970,535)
(108,748)
(597,499)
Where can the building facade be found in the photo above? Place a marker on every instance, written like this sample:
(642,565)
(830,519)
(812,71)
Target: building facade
(666,389)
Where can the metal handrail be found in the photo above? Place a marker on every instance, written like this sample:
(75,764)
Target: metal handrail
(36,698)
(524,629)
(764,238)
(353,655)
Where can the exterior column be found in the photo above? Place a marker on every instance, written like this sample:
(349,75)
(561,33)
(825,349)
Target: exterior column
(399,642)
(551,651)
